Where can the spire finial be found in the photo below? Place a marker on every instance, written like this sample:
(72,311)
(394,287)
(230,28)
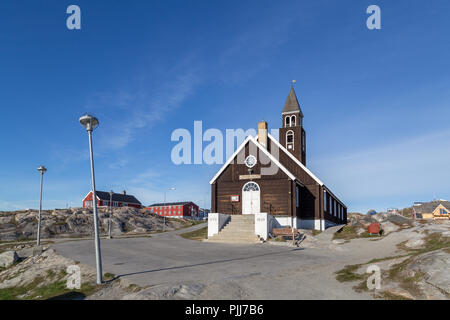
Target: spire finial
(293,83)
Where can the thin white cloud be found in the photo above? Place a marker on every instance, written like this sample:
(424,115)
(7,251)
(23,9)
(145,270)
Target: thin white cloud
(419,165)
(153,101)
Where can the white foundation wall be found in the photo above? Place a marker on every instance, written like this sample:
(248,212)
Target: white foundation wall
(316,224)
(284,221)
(216,221)
(263,225)
(329,224)
(313,224)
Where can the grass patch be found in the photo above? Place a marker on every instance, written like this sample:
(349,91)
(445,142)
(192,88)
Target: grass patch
(133,288)
(349,232)
(432,242)
(397,273)
(406,282)
(109,276)
(198,235)
(51,274)
(35,291)
(387,258)
(346,233)
(349,273)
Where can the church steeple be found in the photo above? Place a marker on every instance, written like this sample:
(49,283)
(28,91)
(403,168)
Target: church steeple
(292,134)
(291,105)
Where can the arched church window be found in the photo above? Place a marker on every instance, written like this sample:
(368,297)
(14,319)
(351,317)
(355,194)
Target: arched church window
(287,121)
(290,140)
(293,121)
(251,186)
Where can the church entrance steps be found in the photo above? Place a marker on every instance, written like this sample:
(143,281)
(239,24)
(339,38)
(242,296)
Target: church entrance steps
(239,229)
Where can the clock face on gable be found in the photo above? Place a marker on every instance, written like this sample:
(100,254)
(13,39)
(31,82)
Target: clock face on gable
(250,161)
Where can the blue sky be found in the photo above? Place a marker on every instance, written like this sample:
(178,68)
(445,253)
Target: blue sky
(376,102)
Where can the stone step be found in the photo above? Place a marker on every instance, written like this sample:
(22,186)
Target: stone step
(236,238)
(241,222)
(238,231)
(242,217)
(241,240)
(234,235)
(236,218)
(237,234)
(235,241)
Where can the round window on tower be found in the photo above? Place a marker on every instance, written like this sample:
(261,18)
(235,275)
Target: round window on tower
(250,161)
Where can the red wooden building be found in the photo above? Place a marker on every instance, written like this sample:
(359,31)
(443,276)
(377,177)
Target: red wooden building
(118,200)
(186,209)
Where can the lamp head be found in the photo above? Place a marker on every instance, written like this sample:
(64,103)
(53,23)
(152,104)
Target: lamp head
(89,122)
(42,169)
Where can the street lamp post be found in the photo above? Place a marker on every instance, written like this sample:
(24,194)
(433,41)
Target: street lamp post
(164,208)
(42,170)
(90,123)
(110,213)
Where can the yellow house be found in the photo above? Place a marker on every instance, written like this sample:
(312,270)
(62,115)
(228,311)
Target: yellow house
(432,210)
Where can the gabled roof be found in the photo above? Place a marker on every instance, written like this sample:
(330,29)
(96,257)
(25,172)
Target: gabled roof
(263,149)
(274,160)
(119,197)
(170,204)
(295,159)
(291,104)
(429,207)
(312,175)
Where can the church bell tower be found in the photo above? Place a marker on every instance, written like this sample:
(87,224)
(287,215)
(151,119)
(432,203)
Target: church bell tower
(292,134)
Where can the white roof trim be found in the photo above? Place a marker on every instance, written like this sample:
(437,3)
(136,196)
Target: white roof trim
(230,159)
(271,157)
(295,159)
(89,194)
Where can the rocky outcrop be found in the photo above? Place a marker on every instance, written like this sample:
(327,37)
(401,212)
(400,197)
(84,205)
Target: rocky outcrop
(389,222)
(8,258)
(433,268)
(77,222)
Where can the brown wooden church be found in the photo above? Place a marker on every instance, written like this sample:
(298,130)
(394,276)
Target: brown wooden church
(266,175)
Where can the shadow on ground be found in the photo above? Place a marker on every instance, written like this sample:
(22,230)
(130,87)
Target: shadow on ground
(73,295)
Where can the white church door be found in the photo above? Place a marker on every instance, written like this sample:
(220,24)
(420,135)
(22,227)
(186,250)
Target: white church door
(250,198)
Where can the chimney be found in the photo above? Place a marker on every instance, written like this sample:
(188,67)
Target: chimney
(262,133)
(124,192)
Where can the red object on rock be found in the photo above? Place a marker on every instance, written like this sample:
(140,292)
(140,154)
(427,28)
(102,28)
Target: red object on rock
(374,228)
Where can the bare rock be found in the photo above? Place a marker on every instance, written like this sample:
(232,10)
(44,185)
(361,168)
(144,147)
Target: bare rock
(360,231)
(399,220)
(6,219)
(415,243)
(183,291)
(433,265)
(8,258)
(389,227)
(380,217)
